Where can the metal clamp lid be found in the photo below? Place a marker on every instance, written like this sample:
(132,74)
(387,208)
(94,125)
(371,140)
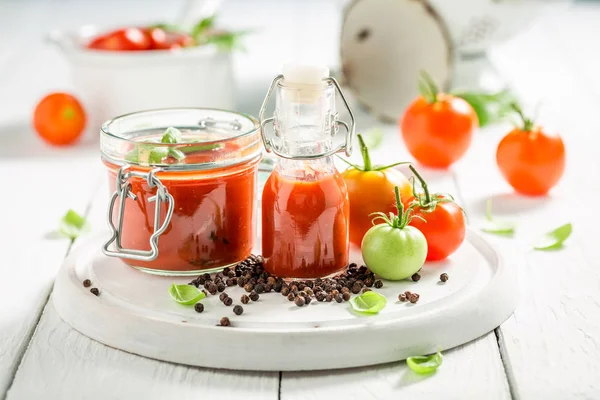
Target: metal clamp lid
(269,145)
(123,191)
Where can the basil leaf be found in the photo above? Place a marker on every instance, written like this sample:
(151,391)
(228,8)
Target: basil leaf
(177,154)
(186,294)
(496,227)
(425,364)
(489,107)
(171,135)
(373,138)
(72,225)
(202,26)
(133,155)
(368,303)
(225,40)
(554,239)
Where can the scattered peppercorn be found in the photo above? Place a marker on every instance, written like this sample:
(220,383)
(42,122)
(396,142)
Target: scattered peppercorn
(402,297)
(416,277)
(346,296)
(254,296)
(95,291)
(378,284)
(238,310)
(413,298)
(199,307)
(285,291)
(229,282)
(307,299)
(87,283)
(339,298)
(260,288)
(221,287)
(230,274)
(328,297)
(245,299)
(291,297)
(444,277)
(320,296)
(222,296)
(228,301)
(248,287)
(224,321)
(299,301)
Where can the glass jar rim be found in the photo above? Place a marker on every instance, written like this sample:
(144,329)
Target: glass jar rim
(248,136)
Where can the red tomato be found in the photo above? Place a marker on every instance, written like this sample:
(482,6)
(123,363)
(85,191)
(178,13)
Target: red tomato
(530,160)
(442,223)
(164,40)
(127,39)
(437,127)
(59,119)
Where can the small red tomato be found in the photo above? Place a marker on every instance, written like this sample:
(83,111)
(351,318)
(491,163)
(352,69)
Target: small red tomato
(127,39)
(165,40)
(437,127)
(530,160)
(59,119)
(440,219)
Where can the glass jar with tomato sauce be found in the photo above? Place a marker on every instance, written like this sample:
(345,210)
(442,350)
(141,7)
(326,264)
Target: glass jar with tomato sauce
(305,209)
(184,185)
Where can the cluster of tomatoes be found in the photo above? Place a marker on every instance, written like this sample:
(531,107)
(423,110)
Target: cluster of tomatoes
(437,129)
(139,39)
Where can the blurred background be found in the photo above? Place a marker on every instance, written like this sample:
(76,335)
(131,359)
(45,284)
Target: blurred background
(374,47)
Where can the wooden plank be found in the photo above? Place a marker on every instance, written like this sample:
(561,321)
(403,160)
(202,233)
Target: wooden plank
(551,345)
(67,364)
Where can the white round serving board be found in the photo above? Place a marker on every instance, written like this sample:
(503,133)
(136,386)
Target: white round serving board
(135,313)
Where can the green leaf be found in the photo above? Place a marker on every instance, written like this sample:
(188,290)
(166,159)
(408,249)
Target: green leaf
(373,138)
(368,303)
(554,239)
(72,224)
(133,155)
(489,107)
(186,294)
(226,41)
(202,26)
(497,227)
(171,135)
(425,364)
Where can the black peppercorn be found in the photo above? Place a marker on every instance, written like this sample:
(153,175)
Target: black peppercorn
(444,277)
(268,288)
(241,281)
(254,296)
(222,296)
(366,289)
(260,288)
(355,288)
(271,281)
(285,291)
(307,300)
(291,296)
(346,296)
(278,287)
(226,270)
(95,291)
(199,307)
(206,277)
(228,301)
(407,294)
(416,277)
(378,284)
(413,298)
(221,287)
(87,283)
(225,321)
(205,292)
(248,287)
(402,297)
(212,289)
(230,274)
(320,296)
(328,297)
(369,282)
(238,310)
(299,301)
(339,298)
(245,299)
(229,282)
(308,291)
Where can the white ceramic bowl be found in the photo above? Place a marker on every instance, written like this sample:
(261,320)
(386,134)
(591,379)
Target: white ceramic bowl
(111,83)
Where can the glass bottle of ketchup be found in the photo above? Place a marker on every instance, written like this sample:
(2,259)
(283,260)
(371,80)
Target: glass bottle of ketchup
(305,211)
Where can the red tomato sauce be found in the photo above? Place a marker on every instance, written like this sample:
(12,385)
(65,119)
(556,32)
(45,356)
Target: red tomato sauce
(305,226)
(212,224)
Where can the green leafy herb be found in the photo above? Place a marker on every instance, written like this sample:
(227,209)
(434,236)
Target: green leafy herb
(171,135)
(425,364)
(186,294)
(489,107)
(368,303)
(72,224)
(373,138)
(494,226)
(202,26)
(554,239)
(428,88)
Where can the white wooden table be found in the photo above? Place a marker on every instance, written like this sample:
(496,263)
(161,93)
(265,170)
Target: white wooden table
(550,347)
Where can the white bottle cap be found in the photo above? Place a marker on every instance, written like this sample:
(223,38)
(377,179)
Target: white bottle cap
(304,74)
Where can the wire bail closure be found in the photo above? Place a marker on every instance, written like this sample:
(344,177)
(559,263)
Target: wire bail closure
(342,148)
(123,191)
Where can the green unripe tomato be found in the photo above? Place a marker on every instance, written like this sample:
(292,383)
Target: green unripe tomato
(394,253)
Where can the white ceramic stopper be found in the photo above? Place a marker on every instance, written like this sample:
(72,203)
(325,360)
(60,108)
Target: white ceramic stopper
(304,74)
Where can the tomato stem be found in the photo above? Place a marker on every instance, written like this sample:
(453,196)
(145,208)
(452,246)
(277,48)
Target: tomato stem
(391,166)
(364,150)
(527,123)
(423,185)
(428,88)
(399,222)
